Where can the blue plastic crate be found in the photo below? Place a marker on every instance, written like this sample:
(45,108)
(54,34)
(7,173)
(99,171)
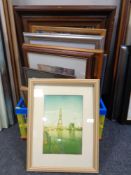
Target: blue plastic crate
(21,111)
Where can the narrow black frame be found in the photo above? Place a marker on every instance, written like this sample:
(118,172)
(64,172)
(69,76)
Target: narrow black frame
(123,86)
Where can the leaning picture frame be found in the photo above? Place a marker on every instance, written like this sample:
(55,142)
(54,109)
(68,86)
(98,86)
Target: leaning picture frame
(122,90)
(63,136)
(87,63)
(69,30)
(66,40)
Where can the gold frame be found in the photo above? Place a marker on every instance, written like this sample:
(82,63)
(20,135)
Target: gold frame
(71,30)
(75,82)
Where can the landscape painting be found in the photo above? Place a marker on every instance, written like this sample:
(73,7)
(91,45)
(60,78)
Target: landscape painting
(63,120)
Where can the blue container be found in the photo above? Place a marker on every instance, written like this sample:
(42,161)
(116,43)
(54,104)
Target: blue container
(21,112)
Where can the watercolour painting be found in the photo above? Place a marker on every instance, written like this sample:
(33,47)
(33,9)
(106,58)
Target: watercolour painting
(63,124)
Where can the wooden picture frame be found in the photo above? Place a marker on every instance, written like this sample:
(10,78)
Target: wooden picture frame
(70,30)
(123,89)
(55,160)
(122,30)
(119,40)
(65,40)
(64,16)
(91,60)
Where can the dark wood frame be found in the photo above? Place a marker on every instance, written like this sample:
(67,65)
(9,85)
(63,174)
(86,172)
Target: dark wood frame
(120,40)
(123,88)
(95,57)
(121,30)
(76,16)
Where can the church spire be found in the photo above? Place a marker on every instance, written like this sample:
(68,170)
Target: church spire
(59,124)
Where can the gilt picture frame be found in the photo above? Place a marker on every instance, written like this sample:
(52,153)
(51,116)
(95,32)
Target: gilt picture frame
(87,63)
(69,30)
(49,146)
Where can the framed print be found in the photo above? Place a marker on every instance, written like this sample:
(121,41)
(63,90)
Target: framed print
(68,30)
(65,40)
(62,132)
(68,58)
(34,73)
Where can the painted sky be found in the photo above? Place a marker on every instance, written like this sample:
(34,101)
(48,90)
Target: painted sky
(71,105)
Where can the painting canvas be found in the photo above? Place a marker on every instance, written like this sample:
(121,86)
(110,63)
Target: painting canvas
(63,124)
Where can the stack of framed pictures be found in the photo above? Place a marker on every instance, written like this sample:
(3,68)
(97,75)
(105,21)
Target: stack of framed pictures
(63,52)
(67,20)
(60,48)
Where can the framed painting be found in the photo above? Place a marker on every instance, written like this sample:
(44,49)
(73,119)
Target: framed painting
(86,63)
(62,132)
(66,40)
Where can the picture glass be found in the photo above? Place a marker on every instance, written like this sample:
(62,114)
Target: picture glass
(77,64)
(64,44)
(63,127)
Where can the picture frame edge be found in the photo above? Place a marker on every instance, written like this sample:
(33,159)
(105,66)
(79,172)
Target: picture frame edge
(95,169)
